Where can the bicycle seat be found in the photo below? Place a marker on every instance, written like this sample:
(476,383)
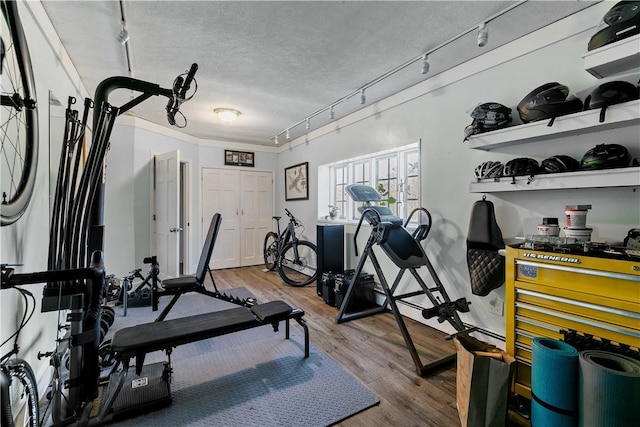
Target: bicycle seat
(277,218)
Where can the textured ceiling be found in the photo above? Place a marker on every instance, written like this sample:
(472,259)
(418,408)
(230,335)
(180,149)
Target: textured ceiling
(279,62)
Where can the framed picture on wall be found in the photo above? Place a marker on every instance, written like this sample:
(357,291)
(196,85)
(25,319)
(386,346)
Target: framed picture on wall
(296,182)
(238,158)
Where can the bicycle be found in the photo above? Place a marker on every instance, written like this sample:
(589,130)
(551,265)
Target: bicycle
(121,290)
(295,259)
(19,125)
(18,382)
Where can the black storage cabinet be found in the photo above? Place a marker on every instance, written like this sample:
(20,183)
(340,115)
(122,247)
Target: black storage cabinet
(330,240)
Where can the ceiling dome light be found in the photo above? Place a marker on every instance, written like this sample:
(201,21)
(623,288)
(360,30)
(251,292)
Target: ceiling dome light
(227,115)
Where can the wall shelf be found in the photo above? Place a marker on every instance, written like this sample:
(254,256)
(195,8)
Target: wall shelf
(615,58)
(623,177)
(617,116)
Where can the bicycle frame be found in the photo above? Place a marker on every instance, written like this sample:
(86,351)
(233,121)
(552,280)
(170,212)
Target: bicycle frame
(288,235)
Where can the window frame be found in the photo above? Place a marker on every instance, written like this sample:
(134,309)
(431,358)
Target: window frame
(370,175)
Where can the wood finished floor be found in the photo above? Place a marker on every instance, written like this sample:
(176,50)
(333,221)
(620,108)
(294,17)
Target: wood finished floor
(372,350)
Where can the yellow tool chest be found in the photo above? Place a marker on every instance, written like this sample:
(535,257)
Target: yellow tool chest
(548,292)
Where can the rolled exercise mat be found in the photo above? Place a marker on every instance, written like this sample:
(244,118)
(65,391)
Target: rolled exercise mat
(609,390)
(554,383)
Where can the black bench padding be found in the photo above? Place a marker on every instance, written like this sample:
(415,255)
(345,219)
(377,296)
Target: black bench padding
(155,336)
(183,282)
(148,337)
(272,311)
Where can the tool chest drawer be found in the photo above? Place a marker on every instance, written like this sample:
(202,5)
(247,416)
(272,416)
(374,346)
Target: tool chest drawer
(549,294)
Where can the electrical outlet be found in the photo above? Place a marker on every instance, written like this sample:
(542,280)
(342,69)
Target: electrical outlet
(496,305)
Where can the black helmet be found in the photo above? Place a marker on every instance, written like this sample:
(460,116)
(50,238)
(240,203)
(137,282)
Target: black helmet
(548,102)
(621,21)
(606,156)
(560,163)
(489,170)
(487,117)
(610,93)
(521,166)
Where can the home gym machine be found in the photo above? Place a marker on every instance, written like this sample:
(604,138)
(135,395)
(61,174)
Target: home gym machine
(406,252)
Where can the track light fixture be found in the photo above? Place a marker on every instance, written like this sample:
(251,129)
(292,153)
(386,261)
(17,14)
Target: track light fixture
(483,34)
(308,125)
(331,114)
(425,63)
(287,135)
(276,140)
(363,98)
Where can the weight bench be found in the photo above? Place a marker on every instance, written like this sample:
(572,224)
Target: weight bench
(137,341)
(149,388)
(178,286)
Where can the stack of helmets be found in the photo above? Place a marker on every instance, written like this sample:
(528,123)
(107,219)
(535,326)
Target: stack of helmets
(610,93)
(606,156)
(548,101)
(621,21)
(487,117)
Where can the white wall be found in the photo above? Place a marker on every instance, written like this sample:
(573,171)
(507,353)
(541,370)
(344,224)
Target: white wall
(435,113)
(128,219)
(26,241)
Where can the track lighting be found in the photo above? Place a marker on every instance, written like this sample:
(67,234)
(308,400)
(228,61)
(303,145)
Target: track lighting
(483,34)
(287,135)
(482,40)
(276,140)
(425,63)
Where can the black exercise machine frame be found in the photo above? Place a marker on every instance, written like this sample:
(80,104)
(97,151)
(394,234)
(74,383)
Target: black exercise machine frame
(176,95)
(445,310)
(87,237)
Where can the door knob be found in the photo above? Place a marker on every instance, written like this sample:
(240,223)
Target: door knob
(175,230)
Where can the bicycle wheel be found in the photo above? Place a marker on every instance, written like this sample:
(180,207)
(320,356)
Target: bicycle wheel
(22,395)
(19,123)
(270,250)
(298,270)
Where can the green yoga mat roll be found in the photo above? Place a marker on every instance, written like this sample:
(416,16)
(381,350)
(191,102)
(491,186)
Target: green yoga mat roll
(609,390)
(554,383)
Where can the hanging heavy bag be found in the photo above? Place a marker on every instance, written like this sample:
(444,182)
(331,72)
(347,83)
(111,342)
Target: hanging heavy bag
(483,383)
(484,239)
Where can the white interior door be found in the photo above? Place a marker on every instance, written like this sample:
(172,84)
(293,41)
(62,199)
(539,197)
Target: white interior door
(257,212)
(167,212)
(221,193)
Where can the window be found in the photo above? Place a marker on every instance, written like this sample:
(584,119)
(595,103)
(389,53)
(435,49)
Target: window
(395,174)
(340,182)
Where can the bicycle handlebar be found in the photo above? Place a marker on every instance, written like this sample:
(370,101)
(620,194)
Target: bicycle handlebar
(12,280)
(293,218)
(180,88)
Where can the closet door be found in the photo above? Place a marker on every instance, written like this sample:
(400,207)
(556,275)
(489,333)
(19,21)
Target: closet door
(221,193)
(256,212)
